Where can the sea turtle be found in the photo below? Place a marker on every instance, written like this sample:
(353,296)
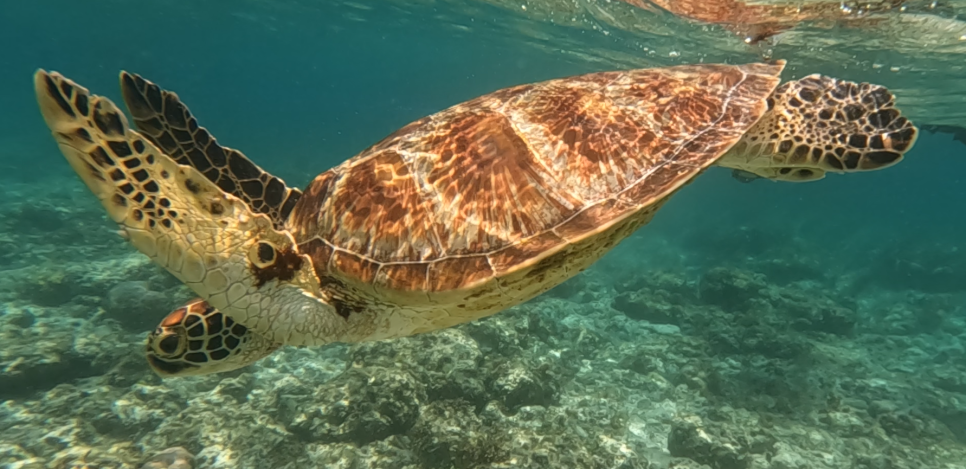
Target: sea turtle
(756,21)
(453,217)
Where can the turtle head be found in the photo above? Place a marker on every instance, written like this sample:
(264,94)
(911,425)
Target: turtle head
(197,339)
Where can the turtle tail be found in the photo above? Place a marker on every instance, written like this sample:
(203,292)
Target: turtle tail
(819,124)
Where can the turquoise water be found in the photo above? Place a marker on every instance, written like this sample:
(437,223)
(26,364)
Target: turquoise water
(758,325)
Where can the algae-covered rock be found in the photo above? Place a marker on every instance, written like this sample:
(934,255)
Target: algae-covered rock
(519,383)
(360,406)
(449,434)
(641,363)
(660,297)
(391,453)
(731,289)
(50,285)
(41,350)
(685,463)
(811,312)
(786,457)
(689,440)
(142,410)
(136,307)
(650,306)
(448,363)
(171,458)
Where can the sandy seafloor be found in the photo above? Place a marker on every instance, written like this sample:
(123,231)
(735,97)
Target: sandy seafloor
(755,352)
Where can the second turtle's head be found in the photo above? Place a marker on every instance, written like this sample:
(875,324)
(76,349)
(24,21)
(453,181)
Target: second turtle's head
(197,339)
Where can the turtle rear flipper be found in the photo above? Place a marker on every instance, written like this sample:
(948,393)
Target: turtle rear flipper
(162,118)
(207,238)
(744,176)
(819,124)
(956,132)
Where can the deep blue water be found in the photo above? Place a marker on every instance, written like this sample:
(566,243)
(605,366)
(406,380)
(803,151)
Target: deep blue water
(298,96)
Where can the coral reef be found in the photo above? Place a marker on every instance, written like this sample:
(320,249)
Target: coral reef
(735,362)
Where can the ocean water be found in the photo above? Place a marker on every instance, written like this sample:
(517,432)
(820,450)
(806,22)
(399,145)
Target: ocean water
(749,325)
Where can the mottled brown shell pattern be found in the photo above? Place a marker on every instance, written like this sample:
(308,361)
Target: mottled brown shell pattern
(499,183)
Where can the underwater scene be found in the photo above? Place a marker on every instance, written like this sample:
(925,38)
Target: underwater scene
(482,234)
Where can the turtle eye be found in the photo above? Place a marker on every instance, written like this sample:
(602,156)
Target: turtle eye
(169,345)
(263,255)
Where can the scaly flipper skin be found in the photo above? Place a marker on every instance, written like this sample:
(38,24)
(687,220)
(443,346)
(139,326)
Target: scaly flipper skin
(162,118)
(819,124)
(197,339)
(208,239)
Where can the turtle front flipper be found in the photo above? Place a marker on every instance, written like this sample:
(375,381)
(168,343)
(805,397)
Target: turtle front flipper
(209,239)
(197,339)
(819,124)
(162,118)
